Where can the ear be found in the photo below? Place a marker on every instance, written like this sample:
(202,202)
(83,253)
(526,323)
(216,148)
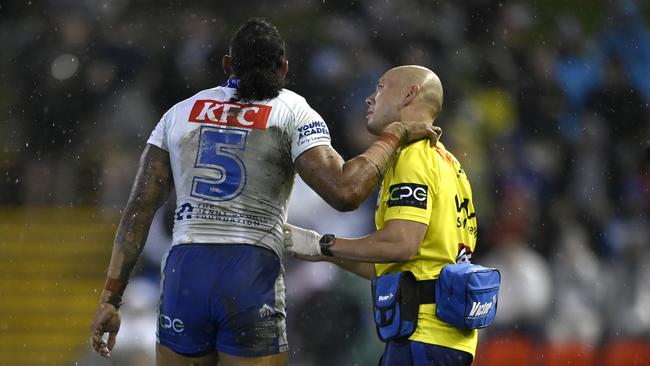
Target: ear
(411,93)
(227,65)
(284,69)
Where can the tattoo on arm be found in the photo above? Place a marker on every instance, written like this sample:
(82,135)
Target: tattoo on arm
(150,190)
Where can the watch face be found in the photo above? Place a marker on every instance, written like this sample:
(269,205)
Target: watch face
(326,241)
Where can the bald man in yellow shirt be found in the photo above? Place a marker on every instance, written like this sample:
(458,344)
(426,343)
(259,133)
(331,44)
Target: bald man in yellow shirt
(425,219)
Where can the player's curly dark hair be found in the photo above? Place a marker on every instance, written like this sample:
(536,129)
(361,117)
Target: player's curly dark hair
(257,52)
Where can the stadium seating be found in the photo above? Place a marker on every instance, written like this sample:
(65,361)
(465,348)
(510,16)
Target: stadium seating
(563,354)
(519,350)
(52,265)
(509,349)
(626,353)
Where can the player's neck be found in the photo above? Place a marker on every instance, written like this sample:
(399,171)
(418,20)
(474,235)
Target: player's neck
(415,114)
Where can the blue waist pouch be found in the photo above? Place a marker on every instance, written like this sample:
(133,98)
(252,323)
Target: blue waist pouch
(395,305)
(466,295)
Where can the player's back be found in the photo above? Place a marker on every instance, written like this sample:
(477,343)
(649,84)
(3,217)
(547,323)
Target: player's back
(233,164)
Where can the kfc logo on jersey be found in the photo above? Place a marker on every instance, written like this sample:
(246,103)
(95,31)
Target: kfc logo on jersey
(230,114)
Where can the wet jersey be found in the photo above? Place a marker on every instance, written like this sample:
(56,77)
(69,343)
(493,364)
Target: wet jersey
(429,186)
(233,164)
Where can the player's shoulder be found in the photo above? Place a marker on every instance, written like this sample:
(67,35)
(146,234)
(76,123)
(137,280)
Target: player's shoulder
(291,100)
(418,149)
(420,154)
(291,96)
(217,93)
(417,156)
(445,154)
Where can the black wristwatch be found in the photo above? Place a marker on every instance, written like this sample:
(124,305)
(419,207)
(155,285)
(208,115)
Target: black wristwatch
(326,241)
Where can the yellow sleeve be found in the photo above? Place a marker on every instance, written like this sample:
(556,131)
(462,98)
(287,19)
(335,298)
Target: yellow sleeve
(411,190)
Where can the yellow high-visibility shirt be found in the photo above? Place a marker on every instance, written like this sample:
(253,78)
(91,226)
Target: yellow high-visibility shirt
(428,185)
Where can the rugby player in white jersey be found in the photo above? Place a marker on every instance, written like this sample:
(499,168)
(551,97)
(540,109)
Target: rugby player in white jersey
(231,153)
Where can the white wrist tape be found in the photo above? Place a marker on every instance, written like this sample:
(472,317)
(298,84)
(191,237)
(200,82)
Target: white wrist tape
(301,241)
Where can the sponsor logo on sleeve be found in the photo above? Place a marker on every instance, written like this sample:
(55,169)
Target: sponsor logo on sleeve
(230,114)
(312,131)
(408,194)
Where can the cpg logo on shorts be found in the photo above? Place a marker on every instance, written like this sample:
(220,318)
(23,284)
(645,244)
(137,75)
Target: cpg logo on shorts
(168,323)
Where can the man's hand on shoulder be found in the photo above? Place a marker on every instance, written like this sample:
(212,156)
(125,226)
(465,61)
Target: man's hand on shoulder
(413,131)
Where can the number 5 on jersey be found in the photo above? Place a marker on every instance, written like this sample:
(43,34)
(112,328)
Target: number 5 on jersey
(225,173)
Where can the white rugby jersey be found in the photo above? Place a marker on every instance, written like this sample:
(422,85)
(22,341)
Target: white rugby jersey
(233,164)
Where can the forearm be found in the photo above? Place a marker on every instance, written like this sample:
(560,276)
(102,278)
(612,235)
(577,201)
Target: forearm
(370,248)
(363,173)
(127,247)
(381,153)
(150,190)
(356,182)
(362,269)
(345,185)
(397,241)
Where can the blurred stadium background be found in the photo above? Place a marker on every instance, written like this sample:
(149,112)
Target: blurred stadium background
(546,106)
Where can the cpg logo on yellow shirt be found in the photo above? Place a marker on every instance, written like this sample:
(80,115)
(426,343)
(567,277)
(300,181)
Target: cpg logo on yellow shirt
(408,194)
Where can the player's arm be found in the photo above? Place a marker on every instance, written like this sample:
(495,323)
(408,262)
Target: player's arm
(344,185)
(362,269)
(397,241)
(150,190)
